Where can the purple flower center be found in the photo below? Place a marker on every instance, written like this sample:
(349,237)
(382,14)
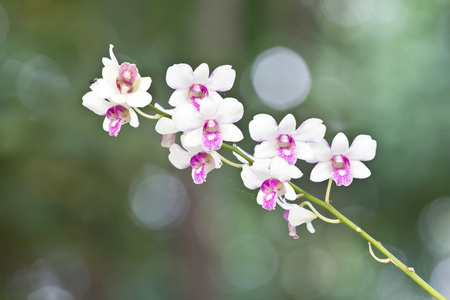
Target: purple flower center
(196,93)
(271,188)
(127,77)
(198,163)
(342,174)
(212,138)
(117,115)
(286,149)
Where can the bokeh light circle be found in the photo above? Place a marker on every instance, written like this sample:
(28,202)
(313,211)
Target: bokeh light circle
(434,225)
(281,78)
(158,199)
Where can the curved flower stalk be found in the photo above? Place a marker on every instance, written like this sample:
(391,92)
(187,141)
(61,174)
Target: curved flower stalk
(193,86)
(341,162)
(206,122)
(285,140)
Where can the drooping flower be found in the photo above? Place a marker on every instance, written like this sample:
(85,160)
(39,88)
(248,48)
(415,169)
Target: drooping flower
(341,162)
(271,177)
(201,162)
(122,84)
(297,215)
(211,124)
(193,86)
(115,114)
(285,140)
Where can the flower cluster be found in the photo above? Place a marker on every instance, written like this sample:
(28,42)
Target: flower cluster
(205,120)
(115,94)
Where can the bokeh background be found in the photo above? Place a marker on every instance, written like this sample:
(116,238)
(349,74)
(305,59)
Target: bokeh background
(87,216)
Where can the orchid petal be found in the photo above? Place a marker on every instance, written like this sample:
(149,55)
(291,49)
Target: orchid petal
(179,157)
(231,133)
(322,171)
(359,170)
(178,97)
(263,127)
(180,76)
(266,149)
(363,148)
(287,125)
(229,110)
(339,144)
(201,74)
(221,79)
(312,130)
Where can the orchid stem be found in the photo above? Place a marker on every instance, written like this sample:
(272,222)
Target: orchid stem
(230,162)
(155,117)
(327,194)
(332,221)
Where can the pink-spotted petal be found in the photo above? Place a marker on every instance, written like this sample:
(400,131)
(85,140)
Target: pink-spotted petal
(179,76)
(339,144)
(322,171)
(266,149)
(229,110)
(363,148)
(179,157)
(312,130)
(199,174)
(263,127)
(231,133)
(201,74)
(287,125)
(359,170)
(221,79)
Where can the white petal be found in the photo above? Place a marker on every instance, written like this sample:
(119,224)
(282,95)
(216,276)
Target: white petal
(139,99)
(299,215)
(113,63)
(186,117)
(312,130)
(339,144)
(279,169)
(287,125)
(261,167)
(103,88)
(166,126)
(180,76)
(217,161)
(363,148)
(295,172)
(193,138)
(95,103)
(260,197)
(110,74)
(250,179)
(179,157)
(304,151)
(359,170)
(208,109)
(310,227)
(134,122)
(221,79)
(144,84)
(321,172)
(266,149)
(229,110)
(263,127)
(290,192)
(201,74)
(179,97)
(106,124)
(231,133)
(321,150)
(119,98)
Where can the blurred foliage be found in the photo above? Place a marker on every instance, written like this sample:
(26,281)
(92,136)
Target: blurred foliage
(381,68)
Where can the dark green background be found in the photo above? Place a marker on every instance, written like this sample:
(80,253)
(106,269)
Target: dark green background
(65,217)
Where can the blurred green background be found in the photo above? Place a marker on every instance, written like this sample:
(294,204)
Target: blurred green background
(87,216)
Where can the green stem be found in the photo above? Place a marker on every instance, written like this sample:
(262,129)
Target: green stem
(409,271)
(160,111)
